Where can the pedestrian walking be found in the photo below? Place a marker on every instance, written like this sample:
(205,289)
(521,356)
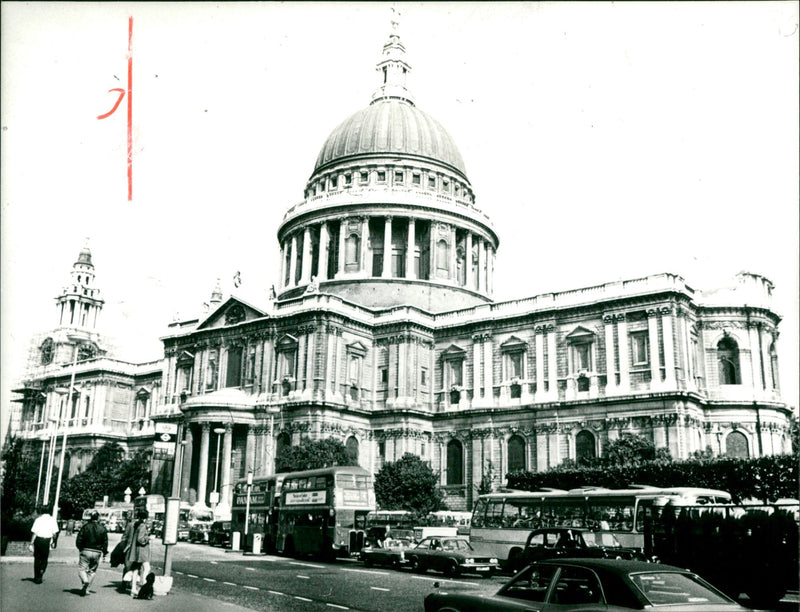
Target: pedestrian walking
(92,541)
(137,554)
(44,536)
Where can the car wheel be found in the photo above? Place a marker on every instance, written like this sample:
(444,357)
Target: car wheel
(368,562)
(451,569)
(416,565)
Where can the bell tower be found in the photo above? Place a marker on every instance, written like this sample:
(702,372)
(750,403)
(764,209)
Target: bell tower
(79,303)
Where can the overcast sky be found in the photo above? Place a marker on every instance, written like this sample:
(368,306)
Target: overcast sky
(606,141)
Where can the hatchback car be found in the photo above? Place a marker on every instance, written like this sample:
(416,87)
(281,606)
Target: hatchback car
(452,556)
(220,534)
(592,584)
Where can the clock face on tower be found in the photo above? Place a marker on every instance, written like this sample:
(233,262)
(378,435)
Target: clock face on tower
(46,351)
(85,351)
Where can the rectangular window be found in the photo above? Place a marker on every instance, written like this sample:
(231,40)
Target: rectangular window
(423,377)
(514,365)
(348,179)
(445,186)
(582,356)
(453,372)
(384,376)
(639,344)
(321,186)
(398,177)
(416,179)
(381,176)
(382,449)
(364,177)
(334,182)
(432,182)
(456,189)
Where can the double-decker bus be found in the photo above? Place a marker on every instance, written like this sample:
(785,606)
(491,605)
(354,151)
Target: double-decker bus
(324,512)
(502,521)
(263,517)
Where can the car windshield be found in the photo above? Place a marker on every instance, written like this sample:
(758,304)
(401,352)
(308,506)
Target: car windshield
(670,588)
(601,539)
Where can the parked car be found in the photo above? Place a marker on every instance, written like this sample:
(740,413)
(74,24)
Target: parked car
(158,528)
(592,584)
(562,542)
(199,533)
(392,552)
(220,534)
(183,531)
(452,556)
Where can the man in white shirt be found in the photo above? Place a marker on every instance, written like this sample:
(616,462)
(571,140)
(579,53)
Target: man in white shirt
(44,536)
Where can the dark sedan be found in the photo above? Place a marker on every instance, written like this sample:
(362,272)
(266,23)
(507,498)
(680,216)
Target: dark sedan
(199,533)
(592,584)
(220,534)
(453,556)
(564,542)
(392,553)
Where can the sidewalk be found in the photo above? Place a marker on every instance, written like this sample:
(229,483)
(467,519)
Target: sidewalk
(61,587)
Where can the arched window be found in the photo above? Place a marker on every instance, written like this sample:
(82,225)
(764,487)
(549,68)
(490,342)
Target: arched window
(728,358)
(736,445)
(585,446)
(283,441)
(351,446)
(516,453)
(442,252)
(773,364)
(352,252)
(455,463)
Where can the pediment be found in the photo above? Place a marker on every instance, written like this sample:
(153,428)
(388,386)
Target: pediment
(580,333)
(513,343)
(231,312)
(453,351)
(357,348)
(185,359)
(286,341)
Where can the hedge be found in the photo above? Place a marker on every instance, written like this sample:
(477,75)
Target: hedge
(764,478)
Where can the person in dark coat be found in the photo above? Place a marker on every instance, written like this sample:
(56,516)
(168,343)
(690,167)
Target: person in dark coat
(92,541)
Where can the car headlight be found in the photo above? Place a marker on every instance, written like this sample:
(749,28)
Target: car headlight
(469,561)
(492,560)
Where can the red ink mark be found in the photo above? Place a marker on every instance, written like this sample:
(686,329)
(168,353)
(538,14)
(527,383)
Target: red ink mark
(116,104)
(130,108)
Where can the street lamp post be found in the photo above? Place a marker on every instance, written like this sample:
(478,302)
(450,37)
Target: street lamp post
(67,409)
(272,410)
(219,431)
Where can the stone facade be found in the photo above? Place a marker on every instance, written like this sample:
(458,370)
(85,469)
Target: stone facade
(383,334)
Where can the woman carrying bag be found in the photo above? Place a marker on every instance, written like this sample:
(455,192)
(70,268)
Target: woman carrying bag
(137,552)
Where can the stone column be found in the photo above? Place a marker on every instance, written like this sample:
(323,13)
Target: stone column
(624,367)
(250,450)
(481,284)
(476,369)
(305,267)
(453,255)
(538,339)
(387,248)
(186,470)
(202,476)
(402,364)
(669,348)
(468,261)
(611,380)
(766,359)
(655,366)
(322,263)
(342,232)
(309,373)
(552,363)
(489,268)
(363,267)
(411,249)
(293,261)
(227,440)
(282,263)
(755,356)
(488,376)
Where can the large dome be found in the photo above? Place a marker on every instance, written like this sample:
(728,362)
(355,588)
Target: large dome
(390,126)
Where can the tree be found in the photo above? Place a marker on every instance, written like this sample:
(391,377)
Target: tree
(134,473)
(19,479)
(630,449)
(313,454)
(408,484)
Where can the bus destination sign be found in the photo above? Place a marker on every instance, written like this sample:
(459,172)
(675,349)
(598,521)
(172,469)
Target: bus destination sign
(296,498)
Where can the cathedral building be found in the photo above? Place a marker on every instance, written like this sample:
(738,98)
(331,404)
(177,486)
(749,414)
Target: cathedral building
(383,333)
